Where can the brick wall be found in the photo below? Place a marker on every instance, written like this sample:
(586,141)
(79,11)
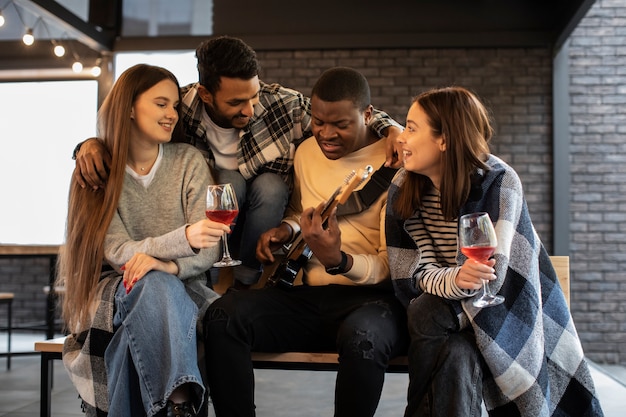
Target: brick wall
(598,180)
(26,278)
(517,85)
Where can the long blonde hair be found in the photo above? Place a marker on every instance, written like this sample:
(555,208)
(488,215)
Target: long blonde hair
(464,122)
(90,213)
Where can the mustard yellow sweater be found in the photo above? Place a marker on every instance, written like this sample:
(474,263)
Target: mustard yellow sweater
(362,234)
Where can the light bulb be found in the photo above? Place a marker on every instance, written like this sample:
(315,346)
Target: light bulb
(28,37)
(96,71)
(1,19)
(59,50)
(77,67)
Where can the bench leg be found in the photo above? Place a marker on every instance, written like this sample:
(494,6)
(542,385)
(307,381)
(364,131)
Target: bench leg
(46,383)
(10,328)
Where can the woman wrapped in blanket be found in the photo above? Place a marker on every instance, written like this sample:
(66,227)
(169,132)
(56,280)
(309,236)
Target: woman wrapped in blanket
(523,357)
(135,258)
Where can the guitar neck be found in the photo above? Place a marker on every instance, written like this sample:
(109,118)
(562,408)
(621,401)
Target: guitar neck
(298,243)
(329,205)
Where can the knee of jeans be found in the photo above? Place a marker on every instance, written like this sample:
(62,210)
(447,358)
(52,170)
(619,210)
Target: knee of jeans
(159,283)
(270,188)
(429,315)
(368,334)
(215,314)
(224,309)
(460,348)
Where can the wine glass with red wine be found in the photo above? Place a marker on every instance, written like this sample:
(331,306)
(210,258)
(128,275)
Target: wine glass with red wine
(221,206)
(478,241)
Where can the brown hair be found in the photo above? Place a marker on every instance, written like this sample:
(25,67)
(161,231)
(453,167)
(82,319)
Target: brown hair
(90,213)
(458,115)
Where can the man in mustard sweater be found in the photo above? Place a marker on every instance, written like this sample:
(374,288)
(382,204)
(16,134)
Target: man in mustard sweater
(346,302)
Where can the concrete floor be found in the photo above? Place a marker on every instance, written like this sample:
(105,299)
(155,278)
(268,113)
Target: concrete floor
(278,393)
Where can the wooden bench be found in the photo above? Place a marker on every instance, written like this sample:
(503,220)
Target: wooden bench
(306,361)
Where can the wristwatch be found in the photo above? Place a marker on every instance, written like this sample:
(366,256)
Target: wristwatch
(341,268)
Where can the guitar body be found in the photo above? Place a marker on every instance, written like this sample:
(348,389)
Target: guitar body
(288,269)
(299,253)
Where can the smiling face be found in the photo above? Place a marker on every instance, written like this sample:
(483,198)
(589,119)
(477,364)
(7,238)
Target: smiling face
(339,127)
(421,148)
(233,103)
(154,113)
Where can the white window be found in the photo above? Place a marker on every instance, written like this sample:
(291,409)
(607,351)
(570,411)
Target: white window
(40,124)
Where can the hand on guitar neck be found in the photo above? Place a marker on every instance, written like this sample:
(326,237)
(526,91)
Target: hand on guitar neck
(315,221)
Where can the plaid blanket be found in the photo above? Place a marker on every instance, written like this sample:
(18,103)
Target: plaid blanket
(83,354)
(531,347)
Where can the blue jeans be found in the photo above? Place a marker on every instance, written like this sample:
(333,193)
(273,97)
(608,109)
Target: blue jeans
(153,350)
(445,366)
(365,325)
(262,201)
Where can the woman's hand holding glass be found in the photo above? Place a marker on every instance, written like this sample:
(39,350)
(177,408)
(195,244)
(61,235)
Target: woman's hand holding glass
(478,241)
(205,233)
(473,273)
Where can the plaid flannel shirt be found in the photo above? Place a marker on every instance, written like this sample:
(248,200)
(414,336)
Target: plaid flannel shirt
(281,121)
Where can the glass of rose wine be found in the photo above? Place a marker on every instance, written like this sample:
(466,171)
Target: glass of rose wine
(221,206)
(478,242)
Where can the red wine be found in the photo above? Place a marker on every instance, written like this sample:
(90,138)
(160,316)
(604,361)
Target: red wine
(478,253)
(222,216)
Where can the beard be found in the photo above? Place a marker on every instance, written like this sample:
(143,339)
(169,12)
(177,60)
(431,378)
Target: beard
(237,121)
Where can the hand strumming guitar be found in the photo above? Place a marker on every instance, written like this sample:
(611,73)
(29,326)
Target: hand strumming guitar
(92,164)
(271,241)
(324,240)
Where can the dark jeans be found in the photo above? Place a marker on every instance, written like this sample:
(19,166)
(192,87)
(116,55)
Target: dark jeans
(445,366)
(365,325)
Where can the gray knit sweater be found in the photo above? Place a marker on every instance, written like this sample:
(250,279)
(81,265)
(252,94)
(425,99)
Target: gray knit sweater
(149,220)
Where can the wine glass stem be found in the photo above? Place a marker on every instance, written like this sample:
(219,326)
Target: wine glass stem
(226,252)
(486,289)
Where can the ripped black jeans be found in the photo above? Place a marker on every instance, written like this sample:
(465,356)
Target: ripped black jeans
(365,325)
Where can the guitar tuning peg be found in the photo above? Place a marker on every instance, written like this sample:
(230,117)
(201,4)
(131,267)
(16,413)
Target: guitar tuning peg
(349,177)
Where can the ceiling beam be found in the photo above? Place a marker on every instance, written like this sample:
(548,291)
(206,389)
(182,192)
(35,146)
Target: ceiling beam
(70,23)
(575,17)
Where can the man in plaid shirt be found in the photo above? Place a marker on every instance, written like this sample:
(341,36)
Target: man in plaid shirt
(248,132)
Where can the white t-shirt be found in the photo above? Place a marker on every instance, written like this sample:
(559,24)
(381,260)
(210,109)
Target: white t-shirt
(223,143)
(146,179)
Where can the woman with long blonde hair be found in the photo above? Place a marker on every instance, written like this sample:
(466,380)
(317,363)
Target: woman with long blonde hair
(135,257)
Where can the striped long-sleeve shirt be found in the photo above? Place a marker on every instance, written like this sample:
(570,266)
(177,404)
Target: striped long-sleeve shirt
(437,240)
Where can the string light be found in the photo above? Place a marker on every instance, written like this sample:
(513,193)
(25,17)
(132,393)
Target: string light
(97,70)
(28,37)
(77,67)
(59,49)
(4,7)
